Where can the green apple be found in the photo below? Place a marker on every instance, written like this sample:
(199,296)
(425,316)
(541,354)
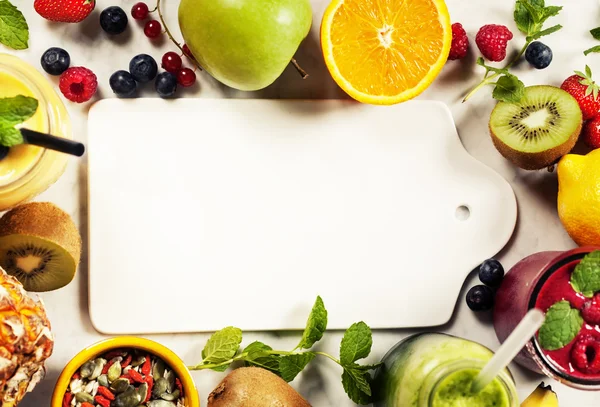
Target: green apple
(245,44)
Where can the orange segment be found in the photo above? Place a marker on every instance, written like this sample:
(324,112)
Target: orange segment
(385,51)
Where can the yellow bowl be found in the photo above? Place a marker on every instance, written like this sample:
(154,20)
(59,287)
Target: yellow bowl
(123,342)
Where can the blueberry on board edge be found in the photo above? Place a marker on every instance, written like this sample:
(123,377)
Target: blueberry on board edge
(166,84)
(113,20)
(55,61)
(143,68)
(491,273)
(480,298)
(3,152)
(123,83)
(538,55)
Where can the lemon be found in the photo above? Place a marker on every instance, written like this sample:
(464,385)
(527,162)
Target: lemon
(579,197)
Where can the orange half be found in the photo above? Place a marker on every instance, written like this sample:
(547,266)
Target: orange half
(385,51)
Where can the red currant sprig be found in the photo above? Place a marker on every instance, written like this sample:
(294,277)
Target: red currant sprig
(152,29)
(140,11)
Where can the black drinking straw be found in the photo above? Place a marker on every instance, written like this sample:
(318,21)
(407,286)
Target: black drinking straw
(53,143)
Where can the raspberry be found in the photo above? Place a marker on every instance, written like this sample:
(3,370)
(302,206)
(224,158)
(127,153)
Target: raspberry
(78,84)
(591,311)
(585,354)
(460,42)
(492,40)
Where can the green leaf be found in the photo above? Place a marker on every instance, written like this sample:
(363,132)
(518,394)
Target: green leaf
(222,345)
(527,14)
(10,136)
(353,390)
(592,50)
(509,89)
(316,325)
(545,32)
(585,279)
(596,33)
(16,110)
(356,343)
(14,31)
(360,377)
(481,62)
(258,356)
(550,11)
(561,326)
(291,365)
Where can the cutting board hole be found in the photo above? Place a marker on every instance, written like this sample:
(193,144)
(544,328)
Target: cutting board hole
(462,213)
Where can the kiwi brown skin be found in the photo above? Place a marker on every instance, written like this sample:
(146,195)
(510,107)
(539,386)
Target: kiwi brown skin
(254,387)
(539,160)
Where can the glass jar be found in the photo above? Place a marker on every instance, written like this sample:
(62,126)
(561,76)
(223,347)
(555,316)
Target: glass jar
(29,170)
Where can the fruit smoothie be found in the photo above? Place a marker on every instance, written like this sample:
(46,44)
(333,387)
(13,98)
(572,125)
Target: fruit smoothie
(437,370)
(27,170)
(545,281)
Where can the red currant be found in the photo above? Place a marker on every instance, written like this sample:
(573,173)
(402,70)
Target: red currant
(187,52)
(186,77)
(139,11)
(171,62)
(152,29)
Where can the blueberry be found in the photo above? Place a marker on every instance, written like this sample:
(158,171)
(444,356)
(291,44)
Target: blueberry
(539,55)
(491,273)
(55,61)
(480,298)
(113,20)
(123,83)
(3,152)
(143,68)
(166,84)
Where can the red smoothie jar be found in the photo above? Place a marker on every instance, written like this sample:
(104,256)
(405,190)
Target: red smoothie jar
(539,281)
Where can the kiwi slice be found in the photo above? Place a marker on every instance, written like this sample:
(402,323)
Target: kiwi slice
(535,132)
(39,245)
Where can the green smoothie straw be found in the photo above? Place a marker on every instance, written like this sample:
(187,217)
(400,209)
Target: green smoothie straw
(53,143)
(509,349)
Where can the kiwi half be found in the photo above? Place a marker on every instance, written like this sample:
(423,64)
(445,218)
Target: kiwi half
(39,245)
(535,132)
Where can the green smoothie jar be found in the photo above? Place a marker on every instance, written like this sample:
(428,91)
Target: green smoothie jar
(436,370)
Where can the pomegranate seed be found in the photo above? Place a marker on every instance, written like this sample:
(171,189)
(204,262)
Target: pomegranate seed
(139,11)
(152,29)
(171,62)
(186,77)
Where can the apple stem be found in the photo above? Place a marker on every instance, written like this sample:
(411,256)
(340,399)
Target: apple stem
(301,71)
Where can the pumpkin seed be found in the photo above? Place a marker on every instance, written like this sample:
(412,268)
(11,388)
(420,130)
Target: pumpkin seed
(138,361)
(114,372)
(103,380)
(143,390)
(161,403)
(119,385)
(158,370)
(170,376)
(76,386)
(84,397)
(98,366)
(160,387)
(87,369)
(129,398)
(170,396)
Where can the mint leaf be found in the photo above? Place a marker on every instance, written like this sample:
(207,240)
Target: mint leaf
(356,343)
(222,346)
(561,326)
(352,389)
(316,325)
(543,33)
(14,31)
(592,50)
(361,378)
(527,15)
(585,279)
(10,136)
(258,356)
(509,89)
(596,33)
(550,11)
(16,110)
(481,62)
(291,365)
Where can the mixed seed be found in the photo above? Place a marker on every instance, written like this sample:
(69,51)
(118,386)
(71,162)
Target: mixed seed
(125,378)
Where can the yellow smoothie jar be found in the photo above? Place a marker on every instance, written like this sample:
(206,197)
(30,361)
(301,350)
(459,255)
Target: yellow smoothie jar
(28,170)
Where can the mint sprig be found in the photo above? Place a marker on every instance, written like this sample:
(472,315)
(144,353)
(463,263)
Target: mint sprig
(585,279)
(596,34)
(14,111)
(530,17)
(223,349)
(561,326)
(14,31)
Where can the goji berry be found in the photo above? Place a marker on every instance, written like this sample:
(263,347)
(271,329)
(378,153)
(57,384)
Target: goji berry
(107,366)
(136,376)
(105,392)
(114,354)
(179,386)
(150,383)
(147,366)
(67,399)
(126,362)
(126,376)
(77,375)
(86,404)
(104,402)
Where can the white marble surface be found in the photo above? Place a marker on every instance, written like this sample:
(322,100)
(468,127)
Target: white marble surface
(538,227)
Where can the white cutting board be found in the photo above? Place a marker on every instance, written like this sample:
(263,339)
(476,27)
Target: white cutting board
(209,213)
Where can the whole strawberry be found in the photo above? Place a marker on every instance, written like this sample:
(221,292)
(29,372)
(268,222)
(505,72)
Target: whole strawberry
(64,11)
(591,137)
(582,87)
(492,41)
(460,42)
